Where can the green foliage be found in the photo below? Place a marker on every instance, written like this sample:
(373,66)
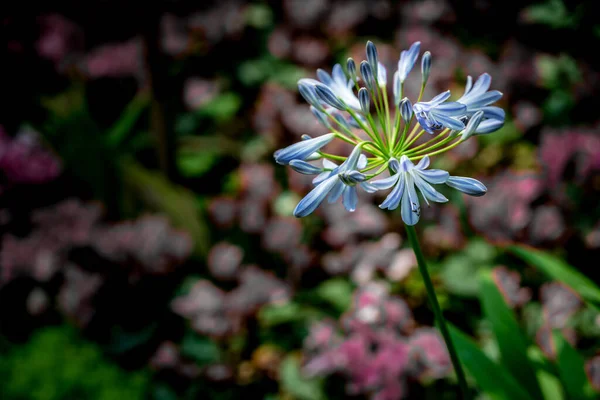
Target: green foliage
(511,342)
(557,269)
(56,364)
(297,385)
(493,379)
(553,13)
(460,268)
(571,370)
(200,348)
(268,68)
(337,292)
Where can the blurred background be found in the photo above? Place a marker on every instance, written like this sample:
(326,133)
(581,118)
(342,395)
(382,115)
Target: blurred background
(148,248)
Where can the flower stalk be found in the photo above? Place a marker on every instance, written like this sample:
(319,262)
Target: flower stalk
(437,311)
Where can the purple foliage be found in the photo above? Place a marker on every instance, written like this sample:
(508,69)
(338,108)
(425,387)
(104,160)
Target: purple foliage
(509,284)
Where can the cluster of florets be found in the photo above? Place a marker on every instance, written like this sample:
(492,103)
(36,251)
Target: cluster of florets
(342,102)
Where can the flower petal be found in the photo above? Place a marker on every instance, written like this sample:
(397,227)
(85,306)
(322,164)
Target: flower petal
(449,122)
(435,176)
(338,75)
(336,192)
(428,191)
(489,126)
(350,198)
(466,185)
(423,164)
(301,150)
(410,209)
(392,201)
(324,77)
(315,197)
(451,109)
(305,168)
(385,183)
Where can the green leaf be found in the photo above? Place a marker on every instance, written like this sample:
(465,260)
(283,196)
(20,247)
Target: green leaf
(118,132)
(337,292)
(222,107)
(557,269)
(202,349)
(296,384)
(511,342)
(457,273)
(492,378)
(277,314)
(571,368)
(195,164)
(549,383)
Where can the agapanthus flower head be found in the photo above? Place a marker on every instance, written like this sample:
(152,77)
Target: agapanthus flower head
(343,102)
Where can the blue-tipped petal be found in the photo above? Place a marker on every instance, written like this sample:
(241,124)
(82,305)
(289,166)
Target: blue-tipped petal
(367,74)
(425,66)
(308,92)
(314,198)
(429,193)
(397,87)
(482,84)
(406,110)
(489,126)
(385,183)
(493,112)
(408,59)
(381,75)
(440,98)
(305,168)
(351,68)
(392,201)
(336,192)
(410,208)
(372,57)
(394,165)
(472,125)
(435,176)
(363,98)
(450,122)
(327,96)
(466,185)
(350,198)
(451,109)
(351,162)
(338,74)
(469,84)
(328,164)
(405,164)
(485,99)
(352,177)
(424,163)
(302,150)
(324,77)
(321,177)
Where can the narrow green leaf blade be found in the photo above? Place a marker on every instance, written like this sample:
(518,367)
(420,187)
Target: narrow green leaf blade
(549,382)
(557,269)
(511,342)
(492,378)
(571,368)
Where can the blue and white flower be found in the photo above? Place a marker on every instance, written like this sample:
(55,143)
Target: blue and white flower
(435,114)
(334,182)
(392,139)
(406,177)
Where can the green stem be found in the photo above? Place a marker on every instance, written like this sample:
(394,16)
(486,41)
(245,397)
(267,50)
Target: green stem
(441,322)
